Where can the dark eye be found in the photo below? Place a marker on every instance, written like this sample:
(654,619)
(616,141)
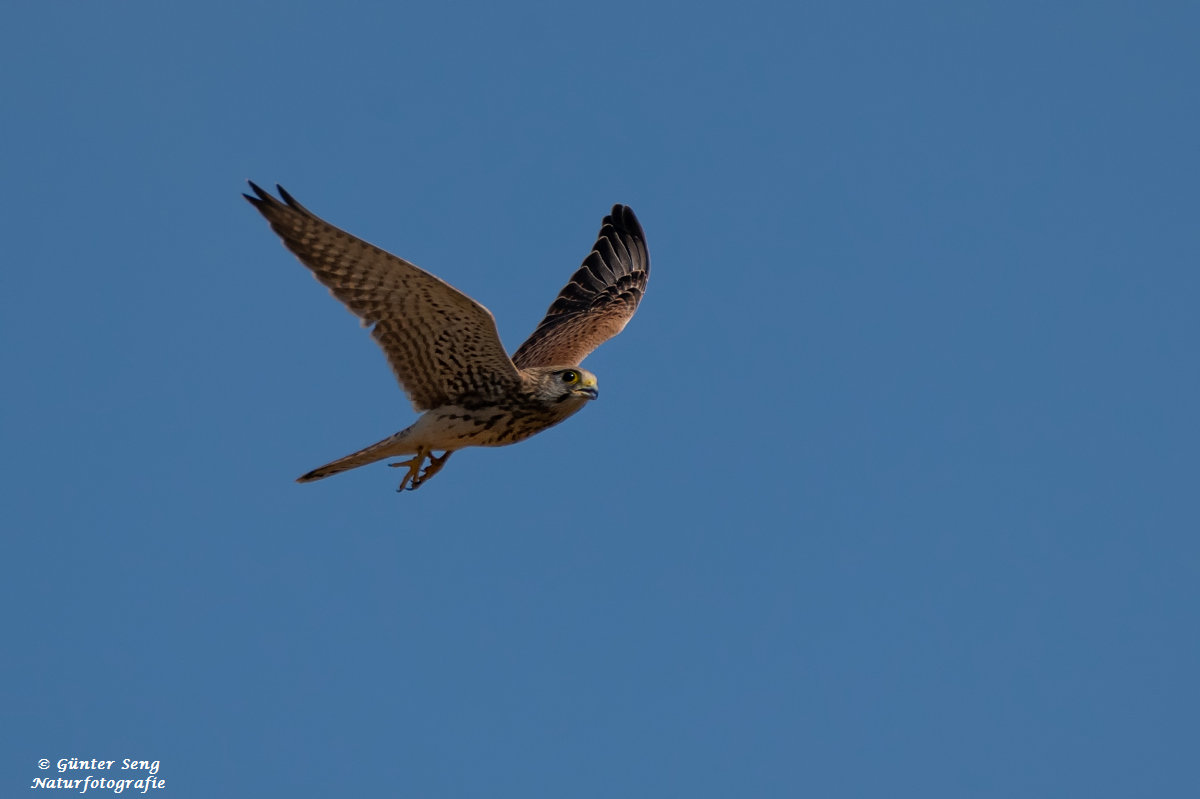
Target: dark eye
(570,377)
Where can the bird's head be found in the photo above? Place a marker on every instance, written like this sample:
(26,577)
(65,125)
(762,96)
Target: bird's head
(563,384)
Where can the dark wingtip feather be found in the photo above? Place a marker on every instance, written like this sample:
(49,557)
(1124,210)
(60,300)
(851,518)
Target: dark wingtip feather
(625,220)
(262,199)
(291,201)
(262,193)
(266,200)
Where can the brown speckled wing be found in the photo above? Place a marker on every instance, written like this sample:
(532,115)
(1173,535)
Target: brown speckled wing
(441,344)
(599,300)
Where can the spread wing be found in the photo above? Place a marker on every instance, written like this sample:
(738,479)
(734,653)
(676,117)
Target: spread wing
(598,301)
(440,343)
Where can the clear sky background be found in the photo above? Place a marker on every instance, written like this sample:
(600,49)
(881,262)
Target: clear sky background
(893,486)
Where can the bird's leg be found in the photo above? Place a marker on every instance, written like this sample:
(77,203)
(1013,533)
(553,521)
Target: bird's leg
(413,478)
(435,466)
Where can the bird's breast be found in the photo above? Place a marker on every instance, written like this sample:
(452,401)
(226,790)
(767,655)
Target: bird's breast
(506,422)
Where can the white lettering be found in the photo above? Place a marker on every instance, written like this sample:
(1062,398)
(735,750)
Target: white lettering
(143,765)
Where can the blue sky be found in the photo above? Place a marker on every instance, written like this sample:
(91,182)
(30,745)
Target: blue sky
(891,489)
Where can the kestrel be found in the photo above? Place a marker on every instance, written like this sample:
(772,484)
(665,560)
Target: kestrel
(443,346)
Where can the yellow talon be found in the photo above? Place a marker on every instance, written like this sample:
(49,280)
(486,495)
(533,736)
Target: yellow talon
(435,466)
(415,476)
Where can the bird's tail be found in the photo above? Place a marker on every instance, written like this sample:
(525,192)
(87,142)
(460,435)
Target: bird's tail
(387,448)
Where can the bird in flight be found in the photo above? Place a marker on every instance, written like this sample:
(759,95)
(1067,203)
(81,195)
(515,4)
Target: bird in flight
(444,348)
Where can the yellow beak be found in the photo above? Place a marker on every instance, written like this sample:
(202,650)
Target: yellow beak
(588,387)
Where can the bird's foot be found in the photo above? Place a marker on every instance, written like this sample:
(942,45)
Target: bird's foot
(435,466)
(415,477)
